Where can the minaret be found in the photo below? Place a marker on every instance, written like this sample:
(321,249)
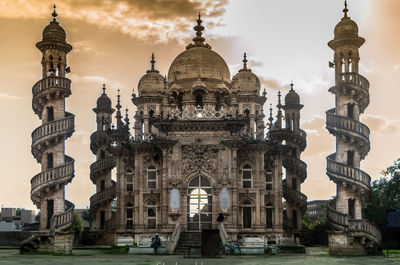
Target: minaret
(295,168)
(351,92)
(100,170)
(48,140)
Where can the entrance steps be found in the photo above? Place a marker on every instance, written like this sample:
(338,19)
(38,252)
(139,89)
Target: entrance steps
(189,244)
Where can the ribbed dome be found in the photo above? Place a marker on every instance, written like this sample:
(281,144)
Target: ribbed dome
(151,82)
(54,32)
(199,62)
(103,102)
(292,98)
(346,28)
(246,81)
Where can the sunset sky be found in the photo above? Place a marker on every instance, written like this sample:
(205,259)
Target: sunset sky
(112,44)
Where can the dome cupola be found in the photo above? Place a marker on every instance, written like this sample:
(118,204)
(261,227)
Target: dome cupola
(245,80)
(152,81)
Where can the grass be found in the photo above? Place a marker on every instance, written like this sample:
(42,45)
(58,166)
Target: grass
(46,253)
(115,250)
(393,253)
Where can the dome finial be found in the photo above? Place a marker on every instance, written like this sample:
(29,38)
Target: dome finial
(271,119)
(291,86)
(54,14)
(104,89)
(199,40)
(345,10)
(244,61)
(118,106)
(152,62)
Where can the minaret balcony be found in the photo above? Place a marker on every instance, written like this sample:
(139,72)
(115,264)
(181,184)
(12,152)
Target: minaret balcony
(50,131)
(298,137)
(356,227)
(292,163)
(295,196)
(53,86)
(104,196)
(336,122)
(63,221)
(354,79)
(52,177)
(339,172)
(100,166)
(98,139)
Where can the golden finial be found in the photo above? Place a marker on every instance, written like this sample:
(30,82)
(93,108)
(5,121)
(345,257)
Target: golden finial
(54,14)
(345,10)
(244,61)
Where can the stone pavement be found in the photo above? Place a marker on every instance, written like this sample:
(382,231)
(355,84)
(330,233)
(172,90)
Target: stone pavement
(94,257)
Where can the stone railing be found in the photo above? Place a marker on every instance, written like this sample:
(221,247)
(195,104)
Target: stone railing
(51,82)
(53,175)
(295,195)
(337,218)
(222,233)
(299,137)
(290,162)
(63,221)
(342,222)
(101,165)
(347,173)
(345,123)
(365,226)
(55,128)
(353,78)
(107,194)
(173,241)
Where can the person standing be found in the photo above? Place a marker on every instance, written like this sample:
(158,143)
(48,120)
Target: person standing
(155,243)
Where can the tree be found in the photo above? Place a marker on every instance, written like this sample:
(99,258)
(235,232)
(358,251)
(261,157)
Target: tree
(77,225)
(37,217)
(88,217)
(385,194)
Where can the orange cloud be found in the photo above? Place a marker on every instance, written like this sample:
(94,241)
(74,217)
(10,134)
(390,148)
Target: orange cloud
(381,124)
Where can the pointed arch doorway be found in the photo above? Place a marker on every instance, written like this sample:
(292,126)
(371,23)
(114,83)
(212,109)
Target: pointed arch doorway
(199,203)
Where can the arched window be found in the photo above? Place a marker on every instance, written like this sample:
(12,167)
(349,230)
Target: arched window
(50,160)
(247,178)
(129,180)
(269,211)
(151,177)
(268,180)
(129,216)
(151,215)
(198,101)
(199,203)
(50,114)
(247,214)
(102,154)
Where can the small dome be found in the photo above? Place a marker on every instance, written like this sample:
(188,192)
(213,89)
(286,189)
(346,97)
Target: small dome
(199,62)
(246,81)
(292,98)
(54,32)
(103,102)
(151,82)
(346,28)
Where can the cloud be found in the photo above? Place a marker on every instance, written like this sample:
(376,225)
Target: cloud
(318,139)
(271,83)
(85,47)
(151,20)
(8,96)
(381,124)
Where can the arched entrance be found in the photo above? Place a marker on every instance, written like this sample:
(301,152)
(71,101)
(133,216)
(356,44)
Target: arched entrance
(199,203)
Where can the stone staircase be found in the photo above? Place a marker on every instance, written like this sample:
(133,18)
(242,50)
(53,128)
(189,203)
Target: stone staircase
(189,244)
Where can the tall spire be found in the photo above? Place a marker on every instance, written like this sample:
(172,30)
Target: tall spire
(271,119)
(278,123)
(198,41)
(152,63)
(126,119)
(54,14)
(118,116)
(244,61)
(345,10)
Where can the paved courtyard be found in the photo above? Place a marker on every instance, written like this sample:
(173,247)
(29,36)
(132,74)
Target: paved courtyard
(89,257)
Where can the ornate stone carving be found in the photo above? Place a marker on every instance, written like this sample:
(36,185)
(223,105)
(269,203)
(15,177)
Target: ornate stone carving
(199,157)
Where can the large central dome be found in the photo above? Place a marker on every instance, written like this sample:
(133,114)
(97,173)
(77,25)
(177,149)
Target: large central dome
(198,61)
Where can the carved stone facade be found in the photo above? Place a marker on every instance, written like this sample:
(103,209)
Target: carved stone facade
(199,149)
